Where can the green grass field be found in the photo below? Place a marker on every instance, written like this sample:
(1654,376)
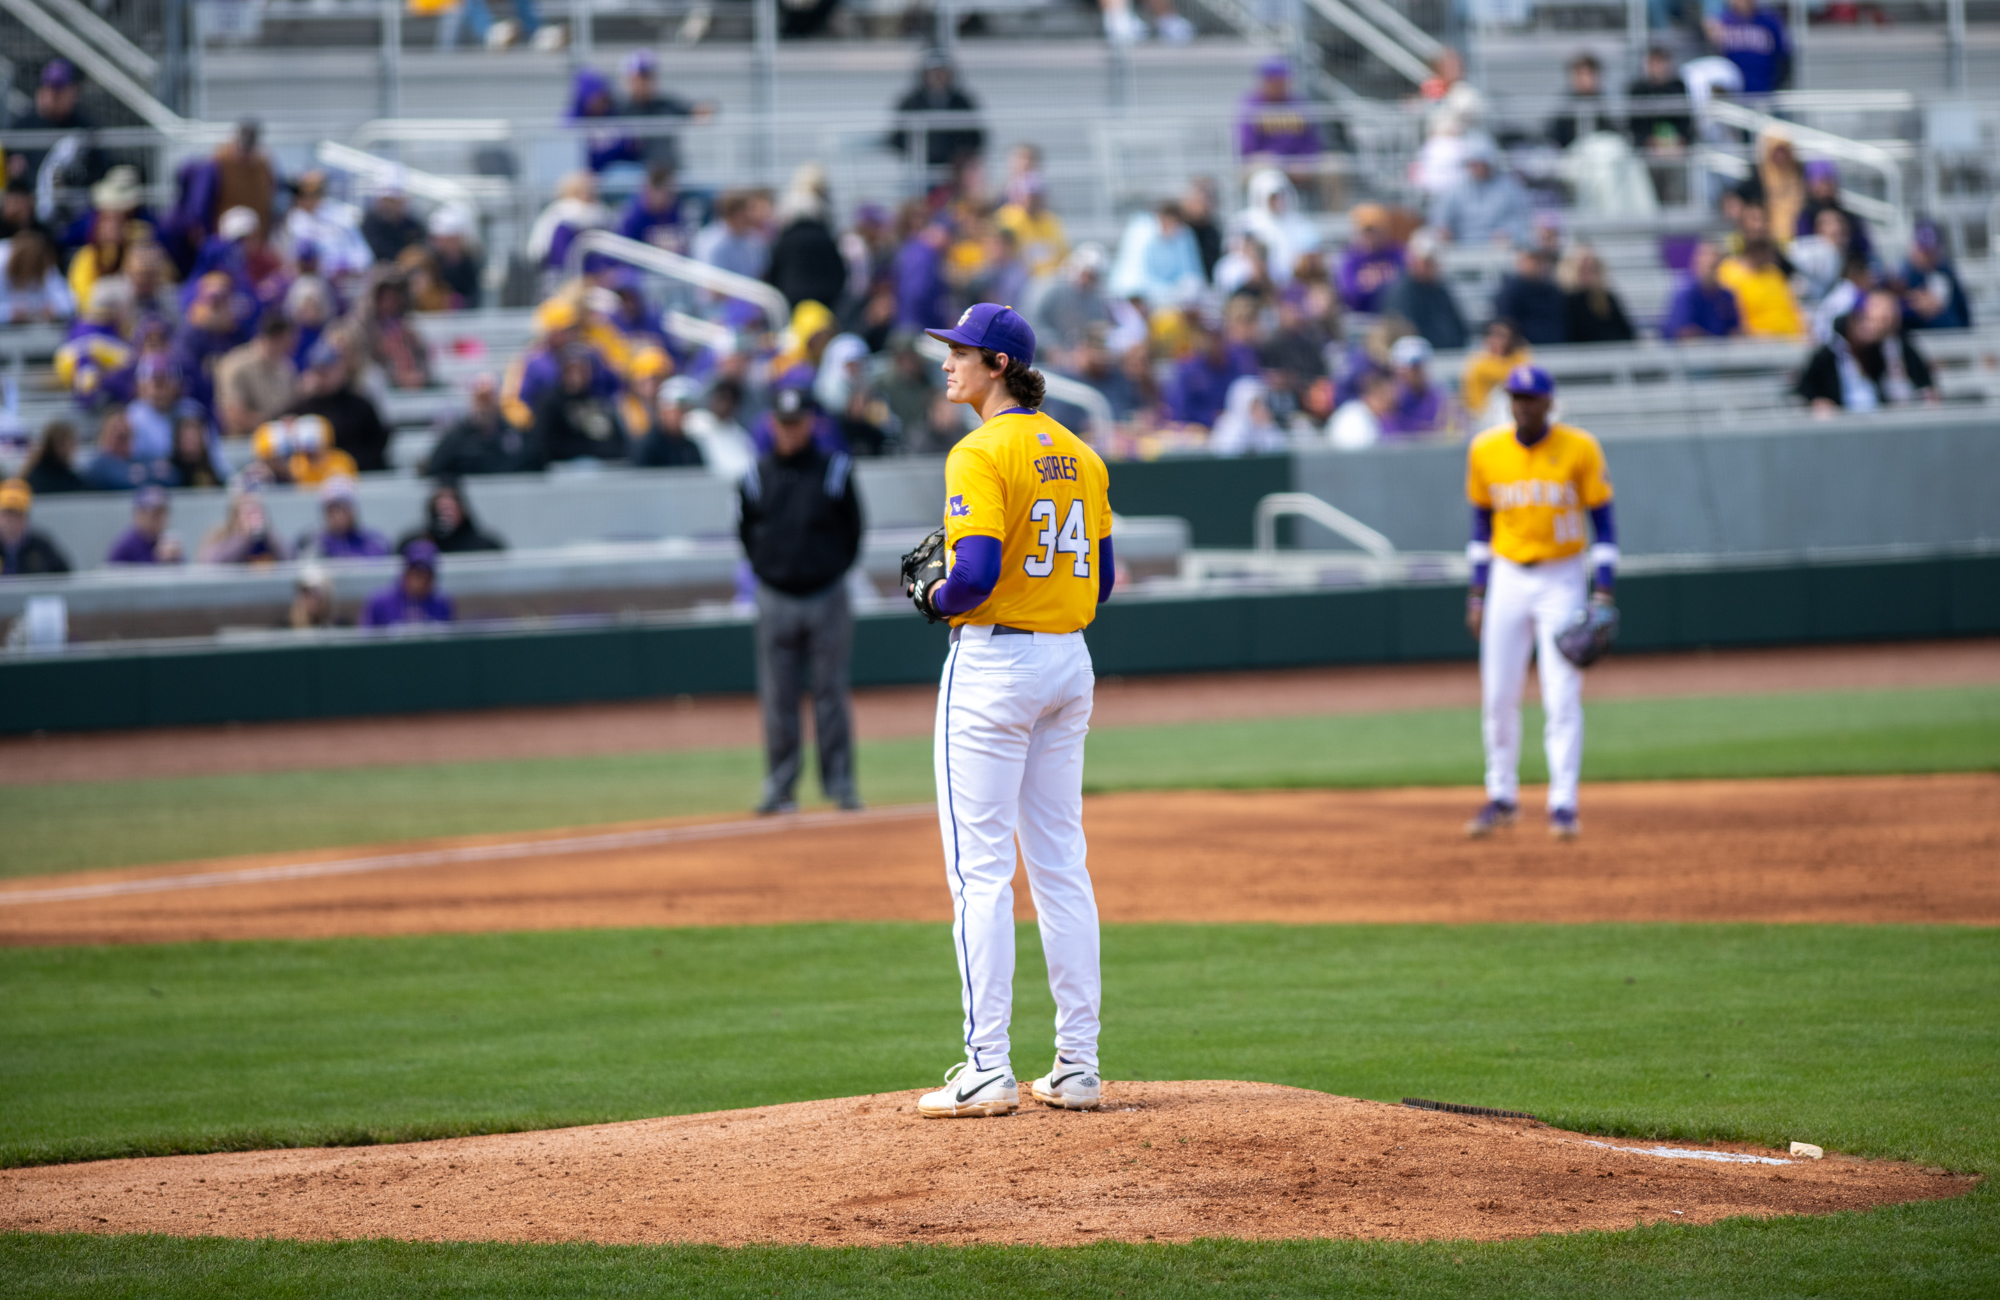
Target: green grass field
(1878,1040)
(118,823)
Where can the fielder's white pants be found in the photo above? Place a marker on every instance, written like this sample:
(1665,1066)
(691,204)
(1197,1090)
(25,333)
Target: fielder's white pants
(1012,715)
(1525,609)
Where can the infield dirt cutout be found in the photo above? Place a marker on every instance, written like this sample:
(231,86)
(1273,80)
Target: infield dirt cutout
(1161,1162)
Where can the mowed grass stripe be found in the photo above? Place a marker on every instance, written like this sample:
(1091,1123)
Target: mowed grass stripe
(64,827)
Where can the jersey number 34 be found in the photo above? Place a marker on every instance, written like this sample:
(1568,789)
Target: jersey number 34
(1069,539)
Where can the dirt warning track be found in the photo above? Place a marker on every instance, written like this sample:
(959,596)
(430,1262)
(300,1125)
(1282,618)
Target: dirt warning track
(1852,849)
(1161,1162)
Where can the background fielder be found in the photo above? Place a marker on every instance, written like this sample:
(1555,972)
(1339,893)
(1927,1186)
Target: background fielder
(1028,532)
(1531,484)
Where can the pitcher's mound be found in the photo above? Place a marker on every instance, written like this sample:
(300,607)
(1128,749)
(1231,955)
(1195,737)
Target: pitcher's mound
(1161,1161)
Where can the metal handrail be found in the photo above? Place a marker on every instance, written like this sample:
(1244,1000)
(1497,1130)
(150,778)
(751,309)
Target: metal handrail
(1818,141)
(423,184)
(107,38)
(1061,387)
(726,284)
(1372,38)
(1307,506)
(94,64)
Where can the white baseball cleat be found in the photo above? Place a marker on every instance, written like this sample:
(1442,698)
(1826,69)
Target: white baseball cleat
(970,1092)
(1068,1085)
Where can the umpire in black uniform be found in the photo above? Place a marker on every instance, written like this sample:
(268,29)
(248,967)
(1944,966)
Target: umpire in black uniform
(801,528)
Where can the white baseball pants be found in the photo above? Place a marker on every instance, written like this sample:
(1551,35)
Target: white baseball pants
(1012,715)
(1525,608)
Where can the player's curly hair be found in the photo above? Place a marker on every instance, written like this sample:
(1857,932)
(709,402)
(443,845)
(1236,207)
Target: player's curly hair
(1024,383)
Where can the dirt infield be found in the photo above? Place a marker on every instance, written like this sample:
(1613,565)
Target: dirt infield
(1162,1162)
(1851,849)
(884,713)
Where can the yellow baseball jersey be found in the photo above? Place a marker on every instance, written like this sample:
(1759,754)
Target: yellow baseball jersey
(1045,494)
(1539,494)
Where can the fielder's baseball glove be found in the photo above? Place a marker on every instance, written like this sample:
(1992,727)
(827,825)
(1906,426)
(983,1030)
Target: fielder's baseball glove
(1590,632)
(923,568)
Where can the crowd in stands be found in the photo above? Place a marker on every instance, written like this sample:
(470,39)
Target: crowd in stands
(266,311)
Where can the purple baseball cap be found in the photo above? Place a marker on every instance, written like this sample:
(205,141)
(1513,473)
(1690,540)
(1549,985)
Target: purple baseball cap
(1822,169)
(421,554)
(1275,66)
(150,497)
(58,73)
(1530,381)
(640,63)
(989,325)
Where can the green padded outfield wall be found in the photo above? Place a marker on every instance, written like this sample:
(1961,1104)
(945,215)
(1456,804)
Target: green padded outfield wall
(353,677)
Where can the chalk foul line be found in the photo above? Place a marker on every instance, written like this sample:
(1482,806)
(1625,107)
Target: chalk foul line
(472,853)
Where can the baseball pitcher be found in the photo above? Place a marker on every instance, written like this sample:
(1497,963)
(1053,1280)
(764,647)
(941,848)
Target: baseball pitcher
(1024,562)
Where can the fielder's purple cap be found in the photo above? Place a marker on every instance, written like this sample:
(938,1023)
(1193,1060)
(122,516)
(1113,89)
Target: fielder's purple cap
(989,325)
(1530,381)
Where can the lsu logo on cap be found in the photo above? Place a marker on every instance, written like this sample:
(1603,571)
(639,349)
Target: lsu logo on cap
(958,509)
(1041,436)
(964,318)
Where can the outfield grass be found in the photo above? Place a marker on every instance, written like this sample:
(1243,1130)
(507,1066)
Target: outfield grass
(115,823)
(1877,1040)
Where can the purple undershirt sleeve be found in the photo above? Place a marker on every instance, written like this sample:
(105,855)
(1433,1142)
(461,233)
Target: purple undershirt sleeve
(1482,544)
(1606,529)
(975,570)
(1107,570)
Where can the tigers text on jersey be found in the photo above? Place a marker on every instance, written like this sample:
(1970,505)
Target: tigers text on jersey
(1046,495)
(1540,494)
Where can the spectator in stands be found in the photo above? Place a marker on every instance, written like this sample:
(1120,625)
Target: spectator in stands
(1419,405)
(1036,229)
(51,465)
(1373,260)
(1004,275)
(327,389)
(1592,312)
(576,419)
(208,332)
(1488,207)
(257,380)
(385,335)
(1778,185)
(922,295)
(197,460)
(589,98)
(147,540)
(414,596)
(1501,349)
(949,141)
(32,287)
(114,467)
(155,304)
(329,225)
(1358,424)
(1293,356)
(244,536)
(1933,298)
(1530,298)
(1272,217)
(312,600)
(908,387)
(1199,204)
(1246,426)
(805,260)
(56,108)
(17,209)
(1702,306)
(1158,261)
(1273,128)
(110,230)
(1822,193)
(483,441)
(97,362)
(800,522)
(793,406)
(388,226)
(456,257)
(1074,304)
(644,98)
(1819,258)
(154,407)
(1870,362)
(449,525)
(1662,129)
(24,552)
(1421,296)
(1763,294)
(308,305)
(1200,384)
(341,536)
(295,449)
(735,240)
(659,214)
(1753,38)
(667,444)
(574,210)
(1583,109)
(244,177)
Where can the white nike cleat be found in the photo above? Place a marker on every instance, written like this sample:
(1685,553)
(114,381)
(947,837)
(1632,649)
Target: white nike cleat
(1068,1085)
(970,1092)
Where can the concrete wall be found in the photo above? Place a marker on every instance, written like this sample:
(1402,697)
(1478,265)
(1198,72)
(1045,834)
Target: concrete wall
(1790,490)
